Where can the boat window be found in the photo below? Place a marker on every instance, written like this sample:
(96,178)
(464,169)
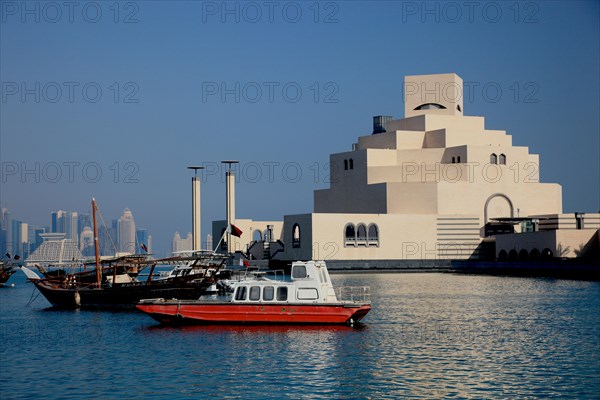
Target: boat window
(268,293)
(299,271)
(307,294)
(240,293)
(282,293)
(254,293)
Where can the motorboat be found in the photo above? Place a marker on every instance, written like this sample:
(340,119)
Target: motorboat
(306,296)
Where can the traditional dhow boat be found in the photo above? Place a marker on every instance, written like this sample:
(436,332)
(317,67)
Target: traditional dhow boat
(118,289)
(7,268)
(306,297)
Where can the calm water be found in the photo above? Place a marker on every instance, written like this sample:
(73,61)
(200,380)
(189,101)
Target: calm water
(428,336)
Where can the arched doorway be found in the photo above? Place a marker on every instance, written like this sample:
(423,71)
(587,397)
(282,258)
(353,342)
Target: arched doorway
(498,205)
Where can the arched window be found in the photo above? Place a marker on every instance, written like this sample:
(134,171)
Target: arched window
(351,164)
(493,158)
(502,255)
(361,234)
(513,255)
(534,254)
(547,254)
(296,236)
(373,234)
(349,235)
(453,160)
(345,165)
(503,159)
(458,159)
(430,106)
(257,235)
(523,255)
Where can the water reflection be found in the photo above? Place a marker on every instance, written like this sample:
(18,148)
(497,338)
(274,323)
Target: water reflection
(427,336)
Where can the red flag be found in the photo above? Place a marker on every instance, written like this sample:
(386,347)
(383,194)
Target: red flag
(235,231)
(244,263)
(143,246)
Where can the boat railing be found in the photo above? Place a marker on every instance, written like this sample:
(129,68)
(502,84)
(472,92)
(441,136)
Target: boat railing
(354,294)
(251,274)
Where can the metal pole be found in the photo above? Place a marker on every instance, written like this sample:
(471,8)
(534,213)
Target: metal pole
(230,200)
(196,210)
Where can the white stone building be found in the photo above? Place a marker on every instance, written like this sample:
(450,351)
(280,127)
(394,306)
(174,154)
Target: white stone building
(179,244)
(422,187)
(434,185)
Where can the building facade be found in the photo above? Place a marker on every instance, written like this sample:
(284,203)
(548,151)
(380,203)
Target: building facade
(259,240)
(179,244)
(126,235)
(427,186)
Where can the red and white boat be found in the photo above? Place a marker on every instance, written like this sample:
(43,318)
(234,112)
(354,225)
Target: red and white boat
(305,297)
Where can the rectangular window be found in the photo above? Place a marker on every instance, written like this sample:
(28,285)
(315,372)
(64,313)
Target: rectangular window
(307,294)
(254,293)
(282,293)
(268,293)
(299,271)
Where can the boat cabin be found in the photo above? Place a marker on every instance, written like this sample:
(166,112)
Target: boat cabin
(309,282)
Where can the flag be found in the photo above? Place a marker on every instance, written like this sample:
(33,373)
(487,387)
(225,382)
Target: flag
(7,255)
(143,246)
(235,231)
(244,263)
(17,257)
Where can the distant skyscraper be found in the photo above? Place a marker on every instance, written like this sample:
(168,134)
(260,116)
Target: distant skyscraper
(106,241)
(35,240)
(179,244)
(59,221)
(209,242)
(20,242)
(126,228)
(3,237)
(71,226)
(86,242)
(83,220)
(8,228)
(5,228)
(114,233)
(142,238)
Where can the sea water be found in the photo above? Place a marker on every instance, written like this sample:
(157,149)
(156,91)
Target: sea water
(427,336)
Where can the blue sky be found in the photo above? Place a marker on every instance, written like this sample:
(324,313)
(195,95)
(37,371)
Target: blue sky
(114,100)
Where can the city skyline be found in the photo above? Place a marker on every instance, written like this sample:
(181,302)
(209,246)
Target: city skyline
(18,237)
(123,109)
